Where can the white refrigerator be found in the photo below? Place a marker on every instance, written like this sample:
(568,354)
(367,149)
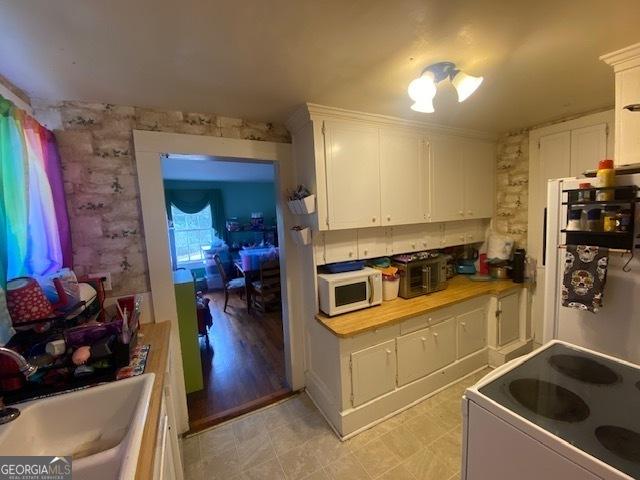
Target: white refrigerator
(615,328)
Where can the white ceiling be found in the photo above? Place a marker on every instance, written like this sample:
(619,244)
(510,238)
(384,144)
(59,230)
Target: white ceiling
(260,59)
(203,168)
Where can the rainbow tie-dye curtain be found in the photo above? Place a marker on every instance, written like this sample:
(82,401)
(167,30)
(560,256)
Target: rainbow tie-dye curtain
(34,226)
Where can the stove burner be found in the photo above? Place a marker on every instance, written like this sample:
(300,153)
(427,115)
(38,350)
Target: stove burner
(549,400)
(584,369)
(624,443)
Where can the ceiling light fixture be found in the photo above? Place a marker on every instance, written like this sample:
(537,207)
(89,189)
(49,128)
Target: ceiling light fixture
(423,89)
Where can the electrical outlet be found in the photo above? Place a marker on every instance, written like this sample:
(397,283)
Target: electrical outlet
(106,279)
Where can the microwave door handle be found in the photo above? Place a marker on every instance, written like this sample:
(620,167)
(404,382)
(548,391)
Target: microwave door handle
(426,273)
(371,287)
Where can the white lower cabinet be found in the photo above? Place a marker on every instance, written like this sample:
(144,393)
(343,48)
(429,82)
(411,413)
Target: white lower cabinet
(508,318)
(472,331)
(426,350)
(167,457)
(373,372)
(165,465)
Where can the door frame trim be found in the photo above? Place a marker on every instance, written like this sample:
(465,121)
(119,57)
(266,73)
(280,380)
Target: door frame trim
(150,147)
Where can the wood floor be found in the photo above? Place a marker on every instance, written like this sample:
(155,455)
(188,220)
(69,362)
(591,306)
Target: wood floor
(242,365)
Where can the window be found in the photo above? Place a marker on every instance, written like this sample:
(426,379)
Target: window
(192,233)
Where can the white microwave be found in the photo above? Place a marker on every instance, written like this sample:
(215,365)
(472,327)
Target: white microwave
(349,291)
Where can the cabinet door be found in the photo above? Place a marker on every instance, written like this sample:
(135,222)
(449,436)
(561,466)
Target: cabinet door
(408,238)
(554,159)
(446,179)
(425,351)
(372,242)
(475,231)
(472,331)
(353,175)
(479,159)
(403,173)
(508,319)
(588,147)
(627,123)
(373,372)
(455,233)
(340,246)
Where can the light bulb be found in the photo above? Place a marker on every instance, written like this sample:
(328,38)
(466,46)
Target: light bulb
(421,91)
(465,85)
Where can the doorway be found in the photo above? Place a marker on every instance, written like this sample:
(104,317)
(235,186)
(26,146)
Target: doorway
(150,148)
(221,217)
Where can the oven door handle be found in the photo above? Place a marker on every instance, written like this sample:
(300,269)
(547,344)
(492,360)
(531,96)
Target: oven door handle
(371,288)
(426,278)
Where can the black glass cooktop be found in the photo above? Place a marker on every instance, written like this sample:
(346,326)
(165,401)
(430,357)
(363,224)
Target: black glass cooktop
(587,400)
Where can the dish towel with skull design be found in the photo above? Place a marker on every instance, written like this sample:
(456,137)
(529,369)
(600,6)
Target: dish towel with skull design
(585,273)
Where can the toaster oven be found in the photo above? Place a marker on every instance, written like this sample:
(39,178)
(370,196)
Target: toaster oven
(421,274)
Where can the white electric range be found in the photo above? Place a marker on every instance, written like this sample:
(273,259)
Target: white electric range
(561,412)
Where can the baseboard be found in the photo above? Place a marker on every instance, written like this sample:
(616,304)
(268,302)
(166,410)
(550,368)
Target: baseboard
(515,349)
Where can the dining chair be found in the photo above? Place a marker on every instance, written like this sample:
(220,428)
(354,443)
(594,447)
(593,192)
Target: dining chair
(235,285)
(266,290)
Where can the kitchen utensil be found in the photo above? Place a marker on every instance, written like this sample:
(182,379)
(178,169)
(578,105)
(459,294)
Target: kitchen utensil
(500,272)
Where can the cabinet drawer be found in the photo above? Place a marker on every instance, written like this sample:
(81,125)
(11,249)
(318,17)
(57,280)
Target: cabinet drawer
(425,320)
(425,351)
(373,372)
(472,331)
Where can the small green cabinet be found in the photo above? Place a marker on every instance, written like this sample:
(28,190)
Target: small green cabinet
(184,285)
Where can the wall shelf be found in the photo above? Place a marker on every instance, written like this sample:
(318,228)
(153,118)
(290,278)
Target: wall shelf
(626,195)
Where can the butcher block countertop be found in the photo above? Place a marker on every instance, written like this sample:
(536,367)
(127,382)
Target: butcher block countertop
(459,290)
(156,335)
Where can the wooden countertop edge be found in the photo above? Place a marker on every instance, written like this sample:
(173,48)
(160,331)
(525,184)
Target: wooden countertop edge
(324,319)
(157,335)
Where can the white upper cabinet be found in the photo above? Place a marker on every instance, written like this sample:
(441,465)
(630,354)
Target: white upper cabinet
(446,200)
(627,122)
(340,246)
(353,174)
(588,147)
(372,243)
(479,159)
(626,64)
(403,177)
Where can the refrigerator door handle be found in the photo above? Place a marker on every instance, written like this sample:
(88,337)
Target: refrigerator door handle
(544,237)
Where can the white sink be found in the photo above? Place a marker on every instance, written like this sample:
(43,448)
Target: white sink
(100,427)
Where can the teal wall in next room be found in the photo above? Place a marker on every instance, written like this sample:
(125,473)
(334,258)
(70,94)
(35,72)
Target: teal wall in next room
(240,198)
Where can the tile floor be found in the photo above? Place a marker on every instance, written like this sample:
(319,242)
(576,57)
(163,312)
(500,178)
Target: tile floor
(291,440)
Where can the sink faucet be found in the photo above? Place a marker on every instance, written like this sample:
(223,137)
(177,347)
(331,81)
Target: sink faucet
(25,367)
(8,414)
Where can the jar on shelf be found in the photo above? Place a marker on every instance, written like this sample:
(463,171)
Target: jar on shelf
(609,220)
(594,220)
(623,220)
(607,179)
(585,195)
(575,220)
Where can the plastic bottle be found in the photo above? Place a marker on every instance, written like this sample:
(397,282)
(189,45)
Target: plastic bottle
(606,178)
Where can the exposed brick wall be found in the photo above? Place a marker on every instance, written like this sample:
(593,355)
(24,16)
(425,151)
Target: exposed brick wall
(512,180)
(512,186)
(96,146)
